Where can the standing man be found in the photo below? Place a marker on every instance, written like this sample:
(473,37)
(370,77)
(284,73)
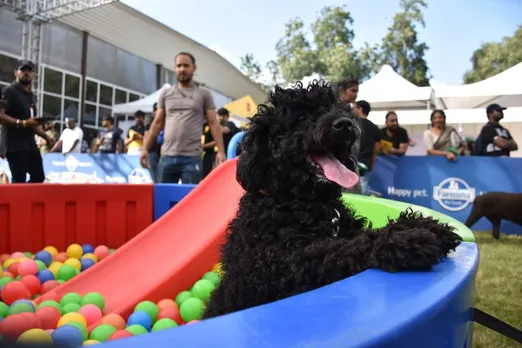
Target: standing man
(228,127)
(109,138)
(21,126)
(134,138)
(182,111)
(155,151)
(495,140)
(394,139)
(71,138)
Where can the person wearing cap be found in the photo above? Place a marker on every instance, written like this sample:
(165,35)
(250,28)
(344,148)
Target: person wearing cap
(21,125)
(109,138)
(495,140)
(71,138)
(135,134)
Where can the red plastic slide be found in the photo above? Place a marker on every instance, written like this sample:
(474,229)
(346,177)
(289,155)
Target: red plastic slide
(172,253)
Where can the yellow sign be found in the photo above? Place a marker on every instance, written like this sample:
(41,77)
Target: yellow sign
(244,107)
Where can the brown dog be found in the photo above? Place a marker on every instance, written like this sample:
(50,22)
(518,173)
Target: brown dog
(497,206)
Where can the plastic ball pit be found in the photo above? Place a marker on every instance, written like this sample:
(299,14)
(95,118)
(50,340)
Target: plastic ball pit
(429,309)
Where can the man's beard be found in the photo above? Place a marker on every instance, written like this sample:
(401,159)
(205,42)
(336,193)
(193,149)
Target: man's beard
(185,79)
(26,81)
(498,118)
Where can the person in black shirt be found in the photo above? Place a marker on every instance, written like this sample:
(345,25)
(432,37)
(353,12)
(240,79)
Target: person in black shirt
(209,152)
(155,151)
(21,126)
(394,139)
(228,127)
(109,138)
(495,140)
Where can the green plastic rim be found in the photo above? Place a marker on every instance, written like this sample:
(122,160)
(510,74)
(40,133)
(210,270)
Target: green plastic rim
(378,210)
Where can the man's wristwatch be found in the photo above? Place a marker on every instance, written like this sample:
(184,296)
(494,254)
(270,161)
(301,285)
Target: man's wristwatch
(18,122)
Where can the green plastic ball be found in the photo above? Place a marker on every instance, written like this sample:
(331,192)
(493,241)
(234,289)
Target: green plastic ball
(18,308)
(163,324)
(28,254)
(148,307)
(136,329)
(102,332)
(72,297)
(202,289)
(213,277)
(192,309)
(182,296)
(71,308)
(41,265)
(4,309)
(66,272)
(50,303)
(94,298)
(5,280)
(80,327)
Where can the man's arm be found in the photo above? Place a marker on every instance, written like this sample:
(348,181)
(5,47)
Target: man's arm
(155,128)
(215,129)
(40,132)
(506,144)
(403,144)
(376,145)
(5,119)
(128,139)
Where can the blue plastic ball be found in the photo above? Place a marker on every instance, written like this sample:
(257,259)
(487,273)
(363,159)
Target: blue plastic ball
(86,263)
(67,336)
(45,275)
(140,318)
(24,301)
(87,249)
(44,256)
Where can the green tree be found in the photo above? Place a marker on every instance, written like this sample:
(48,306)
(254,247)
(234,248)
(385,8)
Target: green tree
(250,67)
(495,57)
(401,48)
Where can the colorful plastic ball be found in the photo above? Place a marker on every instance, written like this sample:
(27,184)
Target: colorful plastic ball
(140,318)
(54,267)
(35,322)
(41,265)
(13,291)
(72,297)
(74,251)
(66,272)
(148,307)
(86,264)
(17,255)
(60,257)
(82,329)
(136,330)
(8,275)
(13,326)
(120,334)
(114,320)
(67,336)
(49,317)
(74,263)
(167,303)
(20,307)
(202,289)
(4,280)
(90,342)
(13,268)
(48,286)
(71,308)
(72,318)
(87,249)
(213,277)
(90,256)
(45,275)
(182,296)
(94,298)
(164,324)
(91,313)
(35,336)
(27,267)
(44,256)
(50,303)
(192,309)
(170,313)
(101,252)
(102,333)
(32,283)
(3,310)
(51,250)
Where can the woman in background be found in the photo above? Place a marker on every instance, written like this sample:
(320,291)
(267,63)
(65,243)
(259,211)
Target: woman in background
(441,139)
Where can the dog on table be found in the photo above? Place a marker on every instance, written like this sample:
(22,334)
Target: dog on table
(292,233)
(496,206)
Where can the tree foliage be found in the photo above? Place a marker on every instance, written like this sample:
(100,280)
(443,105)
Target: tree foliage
(494,57)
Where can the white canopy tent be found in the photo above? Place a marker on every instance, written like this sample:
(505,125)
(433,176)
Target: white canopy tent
(144,104)
(387,90)
(504,89)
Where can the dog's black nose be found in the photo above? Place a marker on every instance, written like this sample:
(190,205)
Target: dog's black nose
(343,123)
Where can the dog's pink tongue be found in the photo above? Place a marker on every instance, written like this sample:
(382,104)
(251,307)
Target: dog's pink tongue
(335,171)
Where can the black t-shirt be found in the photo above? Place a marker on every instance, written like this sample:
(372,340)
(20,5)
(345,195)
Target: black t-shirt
(485,140)
(393,141)
(207,134)
(139,130)
(227,137)
(146,124)
(370,135)
(110,139)
(20,104)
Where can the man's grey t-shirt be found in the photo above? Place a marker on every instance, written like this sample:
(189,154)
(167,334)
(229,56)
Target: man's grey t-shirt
(185,114)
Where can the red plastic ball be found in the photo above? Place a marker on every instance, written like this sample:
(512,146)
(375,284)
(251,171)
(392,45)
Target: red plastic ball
(8,275)
(170,313)
(13,291)
(13,326)
(48,285)
(27,267)
(120,334)
(60,257)
(13,269)
(33,319)
(49,317)
(32,283)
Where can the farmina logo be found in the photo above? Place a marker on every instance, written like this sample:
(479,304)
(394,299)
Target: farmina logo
(453,194)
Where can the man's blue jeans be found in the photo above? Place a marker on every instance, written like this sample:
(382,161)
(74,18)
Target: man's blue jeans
(173,168)
(153,166)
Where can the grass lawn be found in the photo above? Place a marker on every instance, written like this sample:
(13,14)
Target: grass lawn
(499,287)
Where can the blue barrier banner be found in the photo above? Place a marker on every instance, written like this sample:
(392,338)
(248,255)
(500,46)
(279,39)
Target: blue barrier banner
(448,187)
(87,168)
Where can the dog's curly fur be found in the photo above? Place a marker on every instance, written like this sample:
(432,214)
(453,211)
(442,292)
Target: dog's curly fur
(282,241)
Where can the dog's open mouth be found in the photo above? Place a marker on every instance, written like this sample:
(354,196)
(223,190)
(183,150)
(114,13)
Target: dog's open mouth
(333,170)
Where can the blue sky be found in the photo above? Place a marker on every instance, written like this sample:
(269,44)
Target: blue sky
(454,28)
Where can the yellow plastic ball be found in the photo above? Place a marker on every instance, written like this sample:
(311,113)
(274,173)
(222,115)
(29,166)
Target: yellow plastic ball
(74,251)
(90,256)
(73,262)
(90,342)
(1,272)
(35,336)
(51,250)
(54,267)
(9,262)
(72,318)
(217,268)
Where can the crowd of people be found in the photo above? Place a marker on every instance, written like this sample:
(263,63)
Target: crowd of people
(185,137)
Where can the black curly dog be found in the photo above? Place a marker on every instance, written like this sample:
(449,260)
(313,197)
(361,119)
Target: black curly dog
(292,233)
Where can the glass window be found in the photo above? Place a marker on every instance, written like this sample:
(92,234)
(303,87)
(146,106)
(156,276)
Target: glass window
(106,94)
(71,109)
(120,97)
(89,117)
(91,91)
(52,107)
(52,81)
(11,30)
(133,97)
(7,67)
(62,46)
(102,112)
(72,86)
